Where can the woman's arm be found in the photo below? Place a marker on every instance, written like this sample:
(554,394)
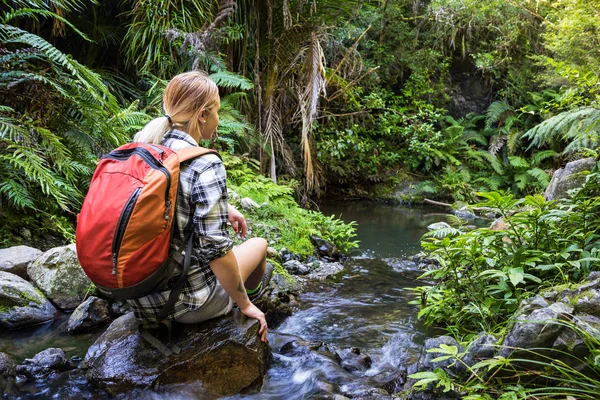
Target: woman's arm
(227,272)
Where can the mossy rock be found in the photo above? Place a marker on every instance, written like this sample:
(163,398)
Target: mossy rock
(21,304)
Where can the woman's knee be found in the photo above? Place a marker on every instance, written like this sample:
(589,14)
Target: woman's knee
(260,244)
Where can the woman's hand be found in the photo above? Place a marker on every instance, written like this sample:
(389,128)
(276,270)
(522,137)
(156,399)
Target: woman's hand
(237,221)
(251,311)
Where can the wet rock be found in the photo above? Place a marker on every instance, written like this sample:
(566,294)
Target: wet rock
(396,384)
(353,360)
(324,247)
(90,314)
(15,259)
(325,270)
(287,255)
(60,277)
(295,267)
(301,347)
(7,365)
(438,225)
(368,393)
(21,304)
(482,348)
(536,329)
(568,178)
(118,308)
(462,211)
(225,354)
(248,204)
(45,363)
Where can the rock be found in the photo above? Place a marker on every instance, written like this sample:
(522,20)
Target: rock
(353,360)
(45,363)
(324,247)
(462,211)
(588,302)
(368,393)
(438,225)
(225,354)
(537,329)
(295,267)
(273,254)
(90,314)
(571,347)
(60,277)
(396,384)
(21,304)
(325,270)
(248,204)
(15,259)
(533,303)
(232,195)
(482,348)
(499,225)
(7,365)
(568,178)
(426,363)
(286,255)
(118,308)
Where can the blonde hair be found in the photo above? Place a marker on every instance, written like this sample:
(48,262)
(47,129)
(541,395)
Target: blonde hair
(186,96)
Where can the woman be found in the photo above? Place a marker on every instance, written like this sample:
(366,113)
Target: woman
(191,103)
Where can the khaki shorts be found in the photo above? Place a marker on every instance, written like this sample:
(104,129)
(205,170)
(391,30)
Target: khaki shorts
(218,303)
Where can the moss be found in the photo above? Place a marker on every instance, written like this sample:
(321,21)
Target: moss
(588,293)
(279,270)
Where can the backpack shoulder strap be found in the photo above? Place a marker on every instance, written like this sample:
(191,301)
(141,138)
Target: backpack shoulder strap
(192,152)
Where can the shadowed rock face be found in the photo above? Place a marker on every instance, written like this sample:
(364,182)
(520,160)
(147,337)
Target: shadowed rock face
(225,354)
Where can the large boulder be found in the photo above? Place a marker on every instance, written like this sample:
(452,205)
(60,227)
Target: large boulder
(15,259)
(225,354)
(90,314)
(567,178)
(21,304)
(60,277)
(537,329)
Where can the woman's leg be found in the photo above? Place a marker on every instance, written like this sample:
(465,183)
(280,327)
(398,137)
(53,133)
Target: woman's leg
(251,257)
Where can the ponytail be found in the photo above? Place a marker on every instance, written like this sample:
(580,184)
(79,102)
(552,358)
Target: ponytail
(154,131)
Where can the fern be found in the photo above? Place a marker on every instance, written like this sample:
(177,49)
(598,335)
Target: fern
(231,80)
(580,128)
(541,177)
(540,156)
(497,113)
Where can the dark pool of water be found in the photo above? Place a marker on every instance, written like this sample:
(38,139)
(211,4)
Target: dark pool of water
(366,307)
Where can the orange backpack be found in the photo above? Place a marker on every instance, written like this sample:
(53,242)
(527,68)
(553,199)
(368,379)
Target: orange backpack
(124,229)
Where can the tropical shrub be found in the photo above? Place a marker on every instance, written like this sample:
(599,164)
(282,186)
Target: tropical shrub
(484,274)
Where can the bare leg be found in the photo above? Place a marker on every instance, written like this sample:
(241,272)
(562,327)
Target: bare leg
(251,257)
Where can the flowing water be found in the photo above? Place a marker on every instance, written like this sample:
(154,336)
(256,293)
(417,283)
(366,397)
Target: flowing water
(365,307)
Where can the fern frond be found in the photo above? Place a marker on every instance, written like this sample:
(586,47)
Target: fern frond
(495,163)
(496,113)
(541,177)
(475,137)
(229,79)
(540,156)
(16,193)
(518,162)
(580,127)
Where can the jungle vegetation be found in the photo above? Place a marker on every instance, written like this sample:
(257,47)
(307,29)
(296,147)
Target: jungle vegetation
(475,101)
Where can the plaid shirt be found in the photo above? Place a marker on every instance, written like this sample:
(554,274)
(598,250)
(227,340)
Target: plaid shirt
(201,206)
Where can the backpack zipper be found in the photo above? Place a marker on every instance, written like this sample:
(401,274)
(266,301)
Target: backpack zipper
(121,226)
(122,155)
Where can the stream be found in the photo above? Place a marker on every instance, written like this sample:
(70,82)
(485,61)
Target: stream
(364,307)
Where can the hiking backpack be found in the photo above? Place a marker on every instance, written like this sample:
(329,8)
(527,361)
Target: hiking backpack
(124,229)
